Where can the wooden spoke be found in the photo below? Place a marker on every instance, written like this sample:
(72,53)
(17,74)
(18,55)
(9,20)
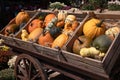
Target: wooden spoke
(35,76)
(20,77)
(29,68)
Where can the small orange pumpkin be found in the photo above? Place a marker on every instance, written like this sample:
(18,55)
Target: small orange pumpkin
(48,18)
(36,23)
(45,39)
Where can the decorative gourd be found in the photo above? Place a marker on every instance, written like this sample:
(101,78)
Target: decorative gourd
(45,39)
(34,35)
(70,18)
(112,32)
(102,43)
(92,52)
(60,24)
(74,25)
(60,40)
(11,29)
(89,52)
(62,15)
(48,18)
(51,24)
(55,31)
(22,17)
(81,42)
(70,23)
(93,28)
(24,35)
(36,23)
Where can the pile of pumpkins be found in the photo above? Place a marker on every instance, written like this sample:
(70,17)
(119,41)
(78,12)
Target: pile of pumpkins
(54,30)
(51,30)
(96,38)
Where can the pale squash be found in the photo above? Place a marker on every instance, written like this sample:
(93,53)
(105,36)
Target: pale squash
(112,32)
(81,42)
(62,15)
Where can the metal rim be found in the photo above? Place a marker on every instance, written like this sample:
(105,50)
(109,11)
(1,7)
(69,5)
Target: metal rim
(29,68)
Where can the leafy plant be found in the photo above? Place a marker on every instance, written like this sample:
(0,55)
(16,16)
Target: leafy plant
(7,74)
(5,55)
(113,6)
(99,3)
(57,5)
(88,7)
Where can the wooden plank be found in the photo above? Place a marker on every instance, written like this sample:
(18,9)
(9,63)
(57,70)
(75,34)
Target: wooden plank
(84,65)
(86,60)
(112,50)
(108,16)
(114,53)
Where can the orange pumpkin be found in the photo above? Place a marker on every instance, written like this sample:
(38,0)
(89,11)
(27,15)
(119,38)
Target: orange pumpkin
(22,17)
(36,23)
(45,39)
(94,28)
(48,18)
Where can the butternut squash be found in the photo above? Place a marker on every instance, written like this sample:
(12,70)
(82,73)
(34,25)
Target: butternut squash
(34,35)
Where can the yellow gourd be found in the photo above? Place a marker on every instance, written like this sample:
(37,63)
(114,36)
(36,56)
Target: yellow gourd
(24,35)
(60,40)
(93,28)
(62,15)
(91,52)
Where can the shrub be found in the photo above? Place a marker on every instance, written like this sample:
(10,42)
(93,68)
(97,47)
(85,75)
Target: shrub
(7,74)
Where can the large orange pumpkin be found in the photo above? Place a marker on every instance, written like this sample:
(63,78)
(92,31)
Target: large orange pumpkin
(48,18)
(36,23)
(93,28)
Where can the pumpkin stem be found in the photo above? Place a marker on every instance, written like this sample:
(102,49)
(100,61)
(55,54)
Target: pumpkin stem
(79,41)
(100,23)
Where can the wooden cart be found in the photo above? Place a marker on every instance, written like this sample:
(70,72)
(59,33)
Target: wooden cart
(34,61)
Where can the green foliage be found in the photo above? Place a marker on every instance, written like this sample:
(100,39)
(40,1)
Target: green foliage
(7,74)
(99,3)
(88,7)
(113,6)
(56,5)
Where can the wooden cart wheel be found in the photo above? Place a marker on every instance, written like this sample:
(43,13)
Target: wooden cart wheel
(29,68)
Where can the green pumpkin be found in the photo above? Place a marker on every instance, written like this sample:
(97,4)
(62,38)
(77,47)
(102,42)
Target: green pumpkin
(55,31)
(102,43)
